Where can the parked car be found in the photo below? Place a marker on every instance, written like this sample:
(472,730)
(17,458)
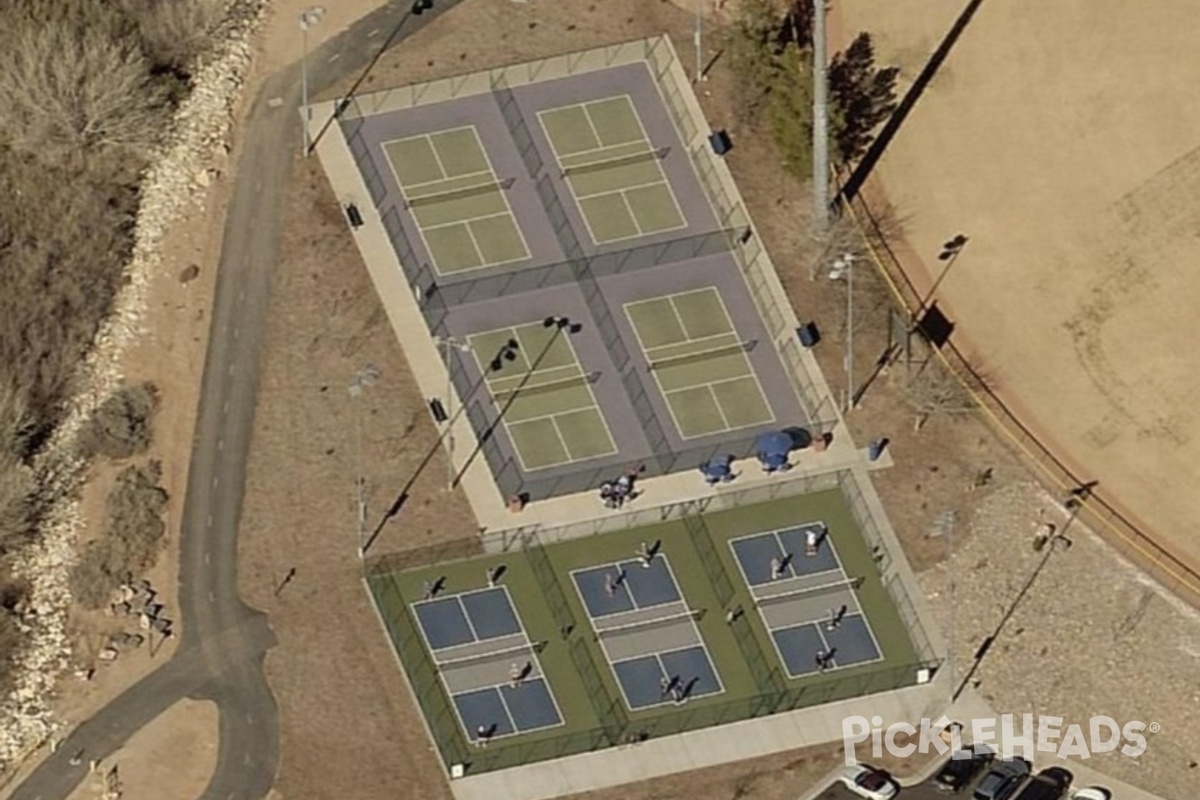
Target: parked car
(1002,780)
(1092,793)
(868,782)
(962,768)
(1049,784)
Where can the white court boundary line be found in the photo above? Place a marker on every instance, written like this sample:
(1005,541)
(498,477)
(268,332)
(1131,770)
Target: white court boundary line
(533,656)
(512,330)
(491,170)
(753,373)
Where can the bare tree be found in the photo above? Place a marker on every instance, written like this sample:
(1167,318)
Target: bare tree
(174,32)
(934,390)
(65,89)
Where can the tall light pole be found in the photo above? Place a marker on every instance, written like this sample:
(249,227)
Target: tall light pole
(949,254)
(309,19)
(560,325)
(363,378)
(699,39)
(820,147)
(448,343)
(507,352)
(843,266)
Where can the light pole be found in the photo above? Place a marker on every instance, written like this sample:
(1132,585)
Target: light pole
(950,252)
(820,148)
(699,38)
(446,344)
(843,266)
(507,352)
(363,378)
(559,324)
(311,16)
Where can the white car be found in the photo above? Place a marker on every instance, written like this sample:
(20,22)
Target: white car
(1091,793)
(866,781)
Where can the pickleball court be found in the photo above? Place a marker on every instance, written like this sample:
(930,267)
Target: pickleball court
(647,632)
(487,663)
(457,200)
(805,598)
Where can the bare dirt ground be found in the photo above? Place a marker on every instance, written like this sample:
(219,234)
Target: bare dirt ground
(1076,201)
(349,725)
(173,756)
(1094,636)
(1079,198)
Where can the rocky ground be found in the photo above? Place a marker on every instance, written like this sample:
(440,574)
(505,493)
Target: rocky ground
(176,181)
(1092,636)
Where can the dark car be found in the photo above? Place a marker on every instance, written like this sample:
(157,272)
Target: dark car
(1002,780)
(1049,784)
(962,767)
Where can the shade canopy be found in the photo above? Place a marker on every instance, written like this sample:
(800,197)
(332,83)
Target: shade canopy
(774,445)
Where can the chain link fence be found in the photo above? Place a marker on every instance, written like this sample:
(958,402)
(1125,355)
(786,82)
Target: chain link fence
(1098,511)
(772,695)
(438,295)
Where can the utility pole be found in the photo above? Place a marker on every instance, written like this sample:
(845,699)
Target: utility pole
(448,343)
(950,594)
(363,378)
(308,19)
(820,147)
(843,266)
(560,326)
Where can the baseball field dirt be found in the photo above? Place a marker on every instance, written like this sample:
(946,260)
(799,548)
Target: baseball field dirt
(1067,153)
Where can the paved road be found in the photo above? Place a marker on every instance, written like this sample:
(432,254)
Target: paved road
(224,641)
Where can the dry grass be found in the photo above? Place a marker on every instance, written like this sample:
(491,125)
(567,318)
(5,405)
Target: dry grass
(87,89)
(132,536)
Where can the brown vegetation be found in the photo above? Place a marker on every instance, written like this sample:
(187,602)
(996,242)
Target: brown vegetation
(132,536)
(121,426)
(87,88)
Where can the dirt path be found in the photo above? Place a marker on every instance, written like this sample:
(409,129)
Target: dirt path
(171,757)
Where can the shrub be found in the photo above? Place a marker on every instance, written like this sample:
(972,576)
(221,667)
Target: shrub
(771,57)
(122,425)
(131,539)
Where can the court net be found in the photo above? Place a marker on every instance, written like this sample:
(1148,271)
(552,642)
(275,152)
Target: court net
(702,355)
(520,654)
(814,592)
(489,187)
(653,623)
(598,166)
(534,389)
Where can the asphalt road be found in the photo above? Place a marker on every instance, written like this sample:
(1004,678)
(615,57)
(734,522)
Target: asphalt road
(220,657)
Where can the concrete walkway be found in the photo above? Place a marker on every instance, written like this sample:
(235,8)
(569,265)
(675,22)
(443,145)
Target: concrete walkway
(696,749)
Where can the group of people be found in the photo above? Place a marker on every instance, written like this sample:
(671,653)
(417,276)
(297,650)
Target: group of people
(614,494)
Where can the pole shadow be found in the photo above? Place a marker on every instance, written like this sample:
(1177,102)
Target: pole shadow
(875,152)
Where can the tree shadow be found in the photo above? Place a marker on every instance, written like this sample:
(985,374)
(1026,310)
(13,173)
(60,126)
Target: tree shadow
(875,152)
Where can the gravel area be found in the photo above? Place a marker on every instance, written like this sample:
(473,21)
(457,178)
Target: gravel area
(1093,636)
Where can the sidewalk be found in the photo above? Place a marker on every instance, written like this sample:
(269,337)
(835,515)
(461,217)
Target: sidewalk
(696,749)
